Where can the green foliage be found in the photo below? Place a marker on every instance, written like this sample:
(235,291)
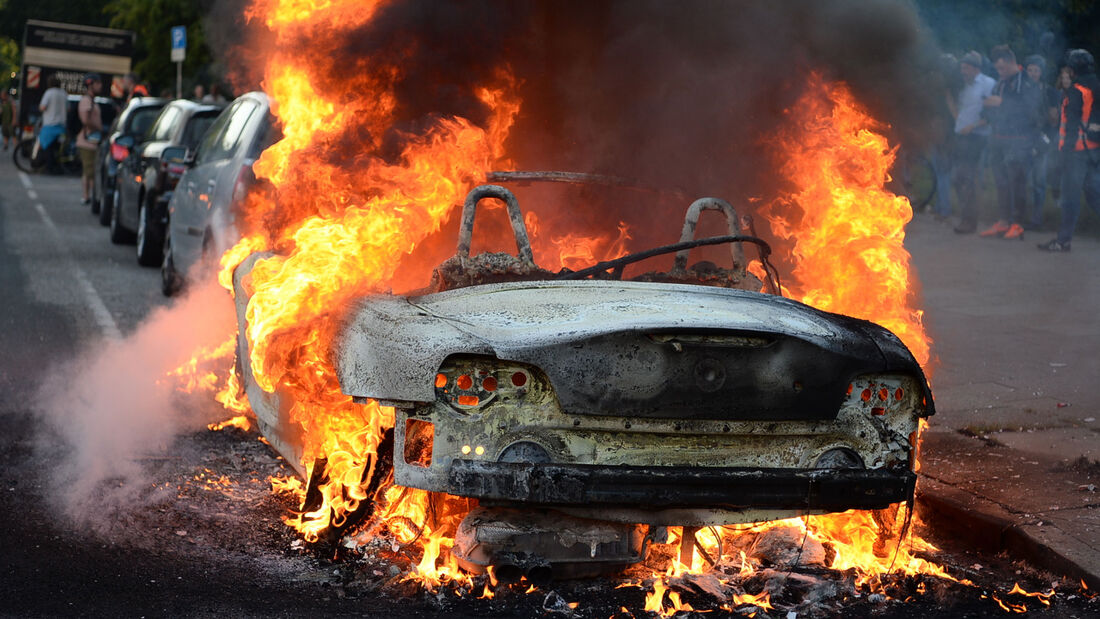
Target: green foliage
(153,20)
(9,59)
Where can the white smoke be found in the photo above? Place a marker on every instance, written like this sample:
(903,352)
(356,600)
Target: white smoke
(117,406)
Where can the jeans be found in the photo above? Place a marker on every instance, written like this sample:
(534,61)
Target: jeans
(968,150)
(1037,177)
(1080,174)
(1010,159)
(941,166)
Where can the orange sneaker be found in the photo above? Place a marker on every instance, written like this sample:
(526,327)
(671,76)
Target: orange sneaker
(997,229)
(1015,231)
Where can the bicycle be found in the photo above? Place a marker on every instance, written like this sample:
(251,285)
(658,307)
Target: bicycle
(30,157)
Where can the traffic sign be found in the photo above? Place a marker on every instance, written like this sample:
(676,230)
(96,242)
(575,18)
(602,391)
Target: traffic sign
(179,43)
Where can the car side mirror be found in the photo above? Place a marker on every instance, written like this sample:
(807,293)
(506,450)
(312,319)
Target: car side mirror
(125,140)
(175,154)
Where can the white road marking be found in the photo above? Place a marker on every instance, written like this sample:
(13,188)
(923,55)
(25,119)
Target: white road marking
(102,315)
(33,194)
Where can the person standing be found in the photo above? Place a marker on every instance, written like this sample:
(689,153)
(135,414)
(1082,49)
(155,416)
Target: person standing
(1048,138)
(52,106)
(971,134)
(7,118)
(1079,146)
(1014,111)
(91,132)
(132,87)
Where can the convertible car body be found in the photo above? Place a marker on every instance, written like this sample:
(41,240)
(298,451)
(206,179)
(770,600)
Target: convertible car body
(654,401)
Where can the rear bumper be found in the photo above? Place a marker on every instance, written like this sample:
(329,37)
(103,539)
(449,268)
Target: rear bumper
(683,487)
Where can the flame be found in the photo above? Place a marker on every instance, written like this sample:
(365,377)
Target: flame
(1044,598)
(337,231)
(240,421)
(845,230)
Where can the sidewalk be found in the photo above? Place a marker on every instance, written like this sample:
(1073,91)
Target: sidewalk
(1010,461)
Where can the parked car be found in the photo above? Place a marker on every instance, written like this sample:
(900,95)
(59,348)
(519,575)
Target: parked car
(144,181)
(134,120)
(201,210)
(654,401)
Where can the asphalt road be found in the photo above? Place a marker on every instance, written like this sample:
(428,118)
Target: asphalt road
(191,548)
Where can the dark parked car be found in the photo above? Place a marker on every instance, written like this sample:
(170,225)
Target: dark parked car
(135,119)
(200,213)
(552,397)
(146,179)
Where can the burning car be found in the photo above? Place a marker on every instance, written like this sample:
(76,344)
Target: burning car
(585,411)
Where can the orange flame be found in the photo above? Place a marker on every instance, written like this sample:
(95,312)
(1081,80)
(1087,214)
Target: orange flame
(847,230)
(342,231)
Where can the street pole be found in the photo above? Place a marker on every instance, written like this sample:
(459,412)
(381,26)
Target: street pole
(179,80)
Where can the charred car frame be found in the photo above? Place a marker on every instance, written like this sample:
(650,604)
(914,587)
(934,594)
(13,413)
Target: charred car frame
(655,401)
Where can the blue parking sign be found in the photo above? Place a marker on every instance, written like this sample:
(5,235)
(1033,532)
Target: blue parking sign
(179,37)
(179,43)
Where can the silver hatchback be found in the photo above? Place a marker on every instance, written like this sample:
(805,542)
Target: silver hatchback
(201,217)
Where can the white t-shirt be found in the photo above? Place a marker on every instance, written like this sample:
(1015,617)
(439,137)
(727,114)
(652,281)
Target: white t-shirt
(54,101)
(970,103)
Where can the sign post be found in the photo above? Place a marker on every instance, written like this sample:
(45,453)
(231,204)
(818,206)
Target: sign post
(179,51)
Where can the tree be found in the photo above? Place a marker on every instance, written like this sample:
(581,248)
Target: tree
(153,20)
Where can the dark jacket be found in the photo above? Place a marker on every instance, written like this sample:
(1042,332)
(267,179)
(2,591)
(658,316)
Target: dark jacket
(1020,114)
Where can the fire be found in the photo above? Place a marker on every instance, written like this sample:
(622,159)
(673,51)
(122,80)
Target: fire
(845,230)
(336,230)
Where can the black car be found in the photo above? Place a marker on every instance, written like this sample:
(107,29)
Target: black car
(135,119)
(146,178)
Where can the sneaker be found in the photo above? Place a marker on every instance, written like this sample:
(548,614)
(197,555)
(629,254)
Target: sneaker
(1015,231)
(86,202)
(966,227)
(997,229)
(1054,245)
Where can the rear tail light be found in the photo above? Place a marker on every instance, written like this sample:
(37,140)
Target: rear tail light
(884,394)
(119,152)
(468,384)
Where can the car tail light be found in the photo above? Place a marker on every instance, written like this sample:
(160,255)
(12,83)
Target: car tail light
(468,384)
(881,395)
(119,152)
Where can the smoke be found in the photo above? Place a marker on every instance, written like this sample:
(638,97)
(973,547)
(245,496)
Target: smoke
(115,406)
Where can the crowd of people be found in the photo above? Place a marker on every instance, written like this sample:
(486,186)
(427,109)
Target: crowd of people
(1026,129)
(53,107)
